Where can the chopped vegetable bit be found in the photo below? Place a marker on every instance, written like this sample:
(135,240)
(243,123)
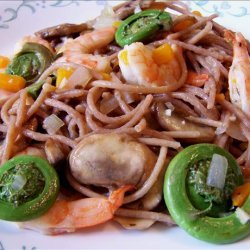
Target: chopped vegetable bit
(157,6)
(4,61)
(163,54)
(124,57)
(182,25)
(240,194)
(245,171)
(116,24)
(197,13)
(106,76)
(62,74)
(52,124)
(217,171)
(220,97)
(242,215)
(35,88)
(11,83)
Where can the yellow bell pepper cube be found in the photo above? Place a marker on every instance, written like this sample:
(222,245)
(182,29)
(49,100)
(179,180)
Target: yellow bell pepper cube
(106,76)
(116,24)
(163,54)
(124,57)
(4,61)
(197,13)
(184,24)
(63,73)
(11,83)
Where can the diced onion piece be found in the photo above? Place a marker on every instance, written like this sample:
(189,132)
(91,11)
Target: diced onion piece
(220,130)
(108,105)
(80,77)
(217,171)
(19,182)
(130,97)
(168,112)
(242,215)
(106,19)
(170,106)
(52,124)
(137,9)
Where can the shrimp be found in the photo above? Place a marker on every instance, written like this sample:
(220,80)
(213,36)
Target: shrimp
(67,216)
(33,151)
(239,73)
(33,39)
(138,66)
(80,49)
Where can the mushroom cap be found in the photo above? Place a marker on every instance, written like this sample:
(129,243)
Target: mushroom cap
(111,160)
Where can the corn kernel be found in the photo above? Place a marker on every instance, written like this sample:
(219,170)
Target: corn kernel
(163,54)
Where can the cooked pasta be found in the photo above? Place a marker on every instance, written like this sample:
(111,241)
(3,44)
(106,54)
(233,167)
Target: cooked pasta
(110,117)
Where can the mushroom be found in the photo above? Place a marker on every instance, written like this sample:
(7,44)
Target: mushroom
(134,223)
(176,122)
(55,152)
(154,196)
(111,160)
(65,29)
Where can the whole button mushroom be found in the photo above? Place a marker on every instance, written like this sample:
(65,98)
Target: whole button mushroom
(111,160)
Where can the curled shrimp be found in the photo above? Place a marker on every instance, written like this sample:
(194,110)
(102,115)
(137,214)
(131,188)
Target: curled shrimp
(68,216)
(138,66)
(80,50)
(36,151)
(33,39)
(239,73)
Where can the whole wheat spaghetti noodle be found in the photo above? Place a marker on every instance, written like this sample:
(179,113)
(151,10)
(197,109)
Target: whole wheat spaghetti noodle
(108,117)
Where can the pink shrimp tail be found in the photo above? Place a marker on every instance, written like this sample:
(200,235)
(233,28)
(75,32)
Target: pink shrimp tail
(117,196)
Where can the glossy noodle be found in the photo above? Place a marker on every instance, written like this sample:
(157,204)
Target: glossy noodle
(110,118)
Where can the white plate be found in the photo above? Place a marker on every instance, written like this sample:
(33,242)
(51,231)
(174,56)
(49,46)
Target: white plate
(19,18)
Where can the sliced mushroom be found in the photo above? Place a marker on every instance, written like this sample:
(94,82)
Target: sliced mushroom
(111,160)
(234,131)
(154,196)
(54,151)
(126,9)
(65,29)
(133,223)
(176,122)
